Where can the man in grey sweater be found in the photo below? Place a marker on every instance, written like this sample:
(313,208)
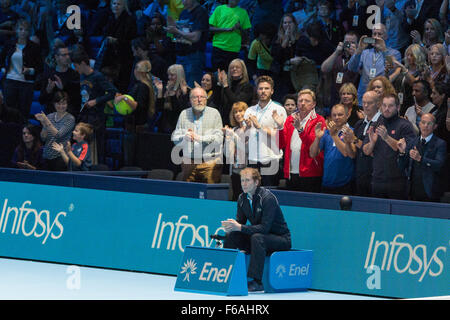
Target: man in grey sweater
(198,135)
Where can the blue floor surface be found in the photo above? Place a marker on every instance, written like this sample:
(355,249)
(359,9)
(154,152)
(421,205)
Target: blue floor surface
(29,280)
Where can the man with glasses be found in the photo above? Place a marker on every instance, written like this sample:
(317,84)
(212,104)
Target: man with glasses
(370,56)
(424,161)
(198,135)
(61,77)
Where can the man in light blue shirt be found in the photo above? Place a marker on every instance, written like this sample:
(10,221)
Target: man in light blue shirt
(370,62)
(393,18)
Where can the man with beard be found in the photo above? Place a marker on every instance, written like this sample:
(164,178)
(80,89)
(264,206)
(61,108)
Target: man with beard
(199,134)
(264,120)
(382,143)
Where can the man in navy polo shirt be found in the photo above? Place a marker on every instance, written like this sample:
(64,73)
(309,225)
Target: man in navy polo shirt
(338,164)
(381,142)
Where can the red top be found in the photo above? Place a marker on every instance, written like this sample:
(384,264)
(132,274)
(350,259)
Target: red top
(309,167)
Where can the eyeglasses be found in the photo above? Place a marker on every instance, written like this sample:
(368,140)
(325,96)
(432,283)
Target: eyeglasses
(198,97)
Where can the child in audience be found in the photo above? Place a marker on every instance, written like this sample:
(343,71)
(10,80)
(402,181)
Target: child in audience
(78,156)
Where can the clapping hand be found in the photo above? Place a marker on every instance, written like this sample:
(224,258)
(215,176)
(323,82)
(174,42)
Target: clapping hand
(319,131)
(382,132)
(277,118)
(254,121)
(227,132)
(192,136)
(401,145)
(373,135)
(222,78)
(415,155)
(348,135)
(332,128)
(58,147)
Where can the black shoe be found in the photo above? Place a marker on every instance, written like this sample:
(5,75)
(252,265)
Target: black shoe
(254,286)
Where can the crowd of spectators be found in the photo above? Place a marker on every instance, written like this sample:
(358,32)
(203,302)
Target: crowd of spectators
(343,96)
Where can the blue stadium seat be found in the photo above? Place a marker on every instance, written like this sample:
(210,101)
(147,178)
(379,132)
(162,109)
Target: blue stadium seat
(36,107)
(36,94)
(208,55)
(94,43)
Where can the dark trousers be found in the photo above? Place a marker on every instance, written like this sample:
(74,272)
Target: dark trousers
(363,186)
(56,164)
(304,184)
(236,185)
(267,180)
(258,245)
(394,189)
(19,95)
(346,189)
(220,59)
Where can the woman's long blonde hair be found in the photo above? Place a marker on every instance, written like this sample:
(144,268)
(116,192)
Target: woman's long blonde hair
(179,71)
(145,67)
(420,58)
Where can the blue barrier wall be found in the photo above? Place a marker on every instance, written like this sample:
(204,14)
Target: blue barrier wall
(354,252)
(220,191)
(124,183)
(363,204)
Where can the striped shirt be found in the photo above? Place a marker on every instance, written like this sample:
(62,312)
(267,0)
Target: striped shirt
(65,127)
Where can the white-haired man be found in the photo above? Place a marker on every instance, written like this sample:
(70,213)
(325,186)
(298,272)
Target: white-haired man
(199,134)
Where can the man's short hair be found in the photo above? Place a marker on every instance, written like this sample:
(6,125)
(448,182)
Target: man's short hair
(340,105)
(265,78)
(426,86)
(308,91)
(352,33)
(256,176)
(79,55)
(393,95)
(433,118)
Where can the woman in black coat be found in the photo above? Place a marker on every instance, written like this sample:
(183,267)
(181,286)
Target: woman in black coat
(22,61)
(235,87)
(119,31)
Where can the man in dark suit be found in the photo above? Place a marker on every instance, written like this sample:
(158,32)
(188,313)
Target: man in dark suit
(424,161)
(267,231)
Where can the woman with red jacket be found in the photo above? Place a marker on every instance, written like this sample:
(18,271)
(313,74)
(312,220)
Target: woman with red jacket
(303,172)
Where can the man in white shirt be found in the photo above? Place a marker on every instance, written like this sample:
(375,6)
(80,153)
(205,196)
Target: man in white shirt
(421,91)
(264,120)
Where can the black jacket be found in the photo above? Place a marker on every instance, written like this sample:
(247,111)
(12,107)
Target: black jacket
(431,165)
(266,216)
(385,166)
(31,57)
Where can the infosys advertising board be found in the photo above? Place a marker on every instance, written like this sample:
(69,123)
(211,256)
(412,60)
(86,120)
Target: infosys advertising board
(355,252)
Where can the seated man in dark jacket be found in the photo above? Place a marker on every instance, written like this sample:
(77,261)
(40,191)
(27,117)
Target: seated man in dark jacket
(267,232)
